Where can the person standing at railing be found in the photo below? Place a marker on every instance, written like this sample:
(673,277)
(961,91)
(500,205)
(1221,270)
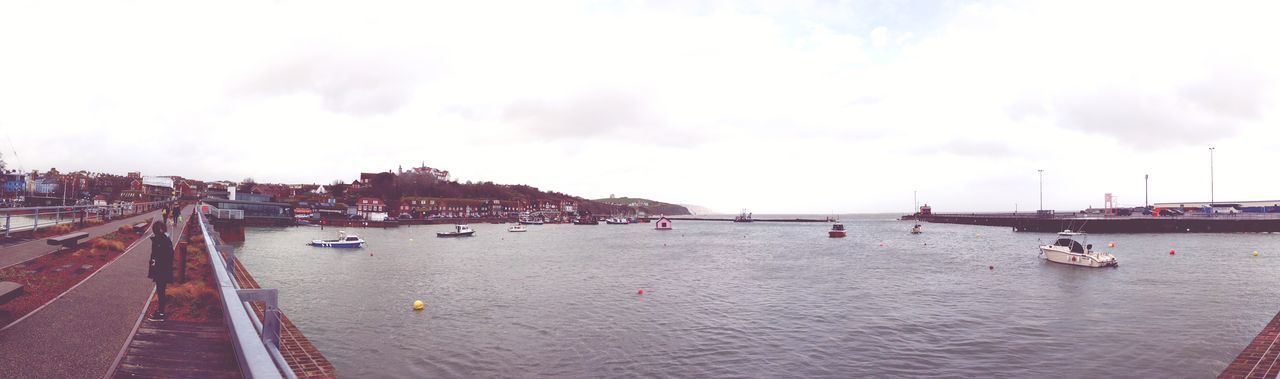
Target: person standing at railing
(161,270)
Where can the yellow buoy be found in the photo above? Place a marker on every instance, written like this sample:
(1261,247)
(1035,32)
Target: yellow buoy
(417,305)
(1255,253)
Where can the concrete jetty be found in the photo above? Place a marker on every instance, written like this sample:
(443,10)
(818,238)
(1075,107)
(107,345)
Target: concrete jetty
(1224,223)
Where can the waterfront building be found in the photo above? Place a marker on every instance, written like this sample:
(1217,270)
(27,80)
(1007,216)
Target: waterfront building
(369,207)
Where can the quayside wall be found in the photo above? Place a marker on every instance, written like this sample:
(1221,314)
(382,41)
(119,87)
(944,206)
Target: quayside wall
(1237,223)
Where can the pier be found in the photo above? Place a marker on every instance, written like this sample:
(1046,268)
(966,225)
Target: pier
(97,328)
(1030,222)
(752,220)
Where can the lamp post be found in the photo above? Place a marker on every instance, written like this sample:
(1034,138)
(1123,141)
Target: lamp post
(1041,189)
(1146,190)
(1211,174)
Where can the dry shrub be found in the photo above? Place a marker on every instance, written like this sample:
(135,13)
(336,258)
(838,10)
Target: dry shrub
(58,229)
(194,300)
(125,229)
(108,245)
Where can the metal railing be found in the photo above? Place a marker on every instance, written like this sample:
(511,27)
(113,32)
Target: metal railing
(29,218)
(256,342)
(225,214)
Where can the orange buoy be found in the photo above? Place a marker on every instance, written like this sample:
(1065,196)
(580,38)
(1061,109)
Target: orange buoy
(640,291)
(1113,244)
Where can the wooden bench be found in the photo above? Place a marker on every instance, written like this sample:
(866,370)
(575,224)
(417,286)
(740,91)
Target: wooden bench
(9,290)
(68,241)
(140,227)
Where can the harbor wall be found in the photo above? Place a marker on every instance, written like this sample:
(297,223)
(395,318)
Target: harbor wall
(1185,224)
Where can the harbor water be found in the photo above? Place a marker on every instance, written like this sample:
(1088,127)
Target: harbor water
(767,300)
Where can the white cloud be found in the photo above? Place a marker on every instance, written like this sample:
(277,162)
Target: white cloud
(796,106)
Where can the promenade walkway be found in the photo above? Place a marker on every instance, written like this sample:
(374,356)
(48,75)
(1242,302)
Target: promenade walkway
(80,334)
(1261,359)
(21,252)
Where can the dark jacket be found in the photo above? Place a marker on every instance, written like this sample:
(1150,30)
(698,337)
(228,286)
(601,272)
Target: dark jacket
(161,259)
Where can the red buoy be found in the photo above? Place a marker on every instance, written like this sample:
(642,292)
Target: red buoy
(640,291)
(1170,251)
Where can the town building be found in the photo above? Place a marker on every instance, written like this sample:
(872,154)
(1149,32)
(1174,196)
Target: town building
(371,208)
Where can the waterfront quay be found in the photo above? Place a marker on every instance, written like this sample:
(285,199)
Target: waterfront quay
(1030,222)
(98,328)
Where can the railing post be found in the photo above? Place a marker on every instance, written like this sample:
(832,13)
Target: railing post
(270,315)
(228,255)
(35,227)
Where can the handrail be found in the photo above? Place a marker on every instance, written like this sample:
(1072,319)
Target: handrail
(254,352)
(7,227)
(85,206)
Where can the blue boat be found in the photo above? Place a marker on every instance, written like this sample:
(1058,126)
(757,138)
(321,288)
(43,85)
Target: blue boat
(343,241)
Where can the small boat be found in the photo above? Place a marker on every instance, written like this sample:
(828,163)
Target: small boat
(837,231)
(517,228)
(1067,250)
(531,222)
(344,241)
(663,224)
(586,221)
(916,229)
(743,217)
(459,231)
(617,221)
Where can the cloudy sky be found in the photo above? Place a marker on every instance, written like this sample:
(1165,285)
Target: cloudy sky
(784,106)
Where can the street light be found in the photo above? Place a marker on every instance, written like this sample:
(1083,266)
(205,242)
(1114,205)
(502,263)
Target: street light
(1041,189)
(1146,190)
(1210,174)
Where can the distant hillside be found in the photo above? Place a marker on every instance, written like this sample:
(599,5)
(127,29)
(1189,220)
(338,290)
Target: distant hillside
(697,210)
(650,207)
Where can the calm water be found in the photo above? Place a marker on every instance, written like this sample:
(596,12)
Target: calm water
(768,300)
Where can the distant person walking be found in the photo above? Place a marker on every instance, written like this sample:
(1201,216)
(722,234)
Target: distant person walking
(164,214)
(161,270)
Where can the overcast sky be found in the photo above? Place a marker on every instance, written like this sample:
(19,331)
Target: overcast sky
(786,106)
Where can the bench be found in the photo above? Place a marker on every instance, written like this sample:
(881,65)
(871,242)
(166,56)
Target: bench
(69,240)
(9,290)
(140,227)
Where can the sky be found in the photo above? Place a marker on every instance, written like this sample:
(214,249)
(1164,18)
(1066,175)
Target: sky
(774,106)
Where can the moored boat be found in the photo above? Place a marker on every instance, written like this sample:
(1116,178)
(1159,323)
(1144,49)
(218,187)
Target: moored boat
(458,231)
(837,231)
(517,228)
(1067,250)
(586,221)
(617,221)
(743,217)
(344,240)
(916,229)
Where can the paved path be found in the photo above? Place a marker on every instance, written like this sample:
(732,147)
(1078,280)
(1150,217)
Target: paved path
(80,334)
(12,255)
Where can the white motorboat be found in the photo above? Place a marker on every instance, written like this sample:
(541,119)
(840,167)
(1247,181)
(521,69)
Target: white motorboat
(517,228)
(916,229)
(617,221)
(458,231)
(1067,250)
(344,241)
